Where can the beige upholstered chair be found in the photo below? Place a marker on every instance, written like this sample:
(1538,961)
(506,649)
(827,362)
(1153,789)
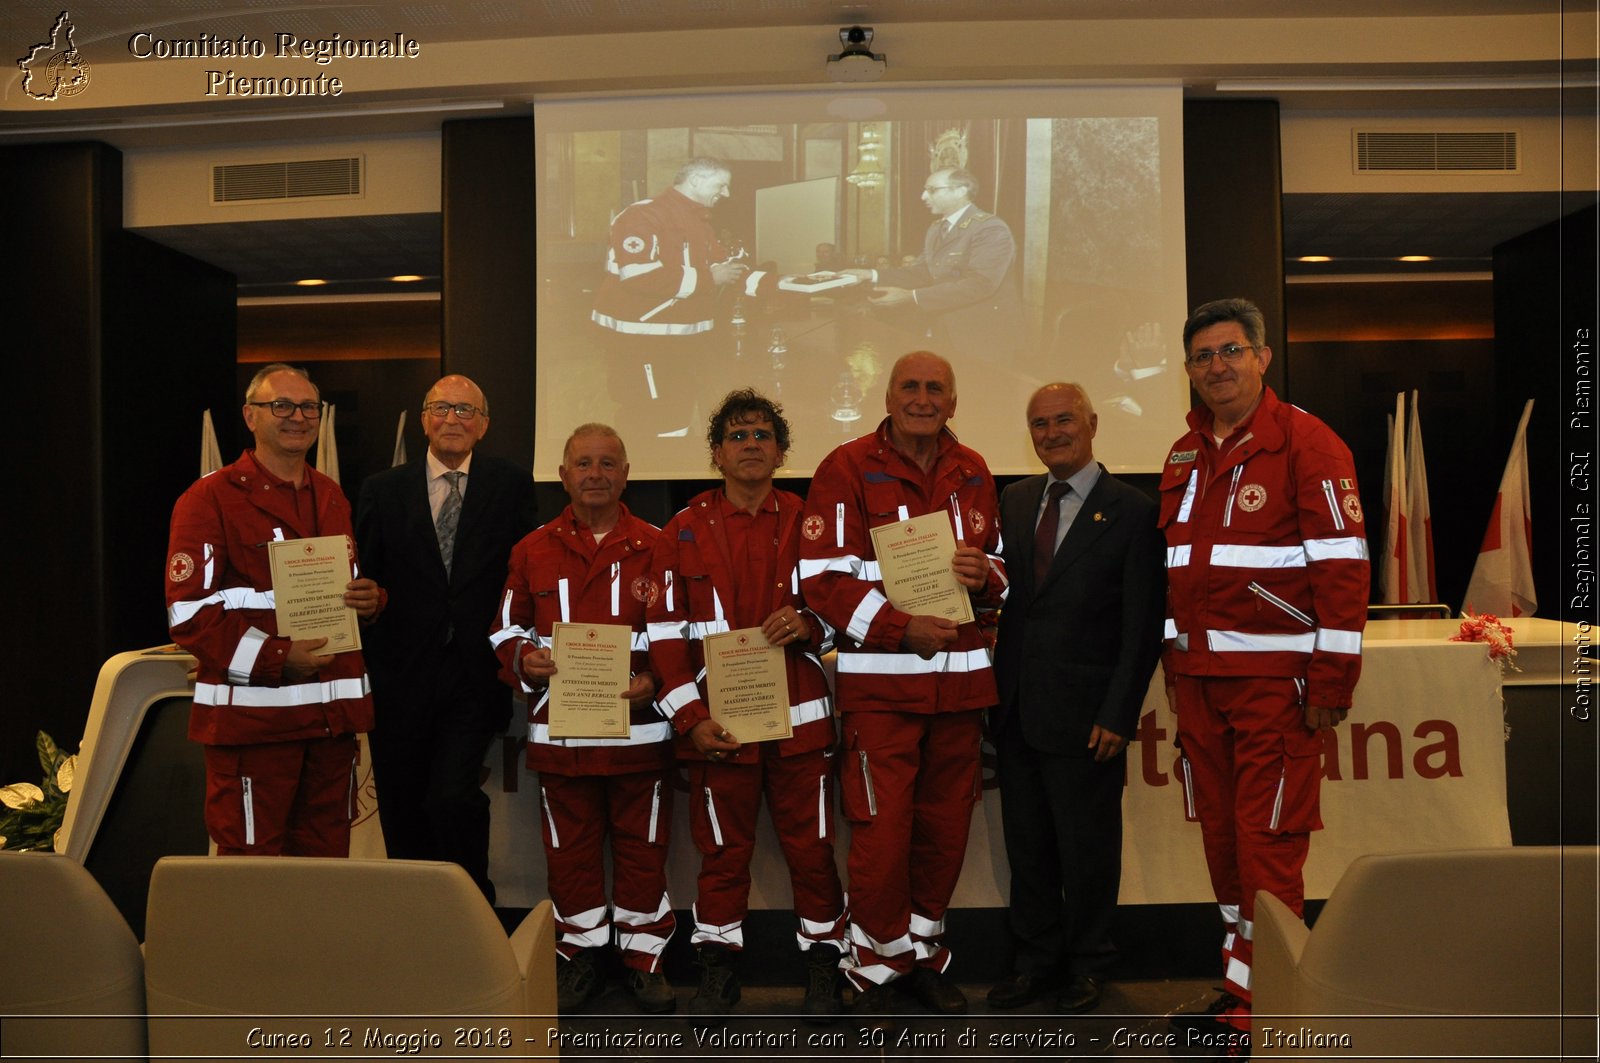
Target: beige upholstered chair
(65,951)
(1454,955)
(301,953)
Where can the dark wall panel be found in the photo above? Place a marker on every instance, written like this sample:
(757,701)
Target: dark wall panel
(1233,212)
(57,205)
(1544,298)
(489,276)
(116,339)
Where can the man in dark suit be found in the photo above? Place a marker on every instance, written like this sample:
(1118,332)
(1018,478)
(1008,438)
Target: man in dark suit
(1079,637)
(962,290)
(441,530)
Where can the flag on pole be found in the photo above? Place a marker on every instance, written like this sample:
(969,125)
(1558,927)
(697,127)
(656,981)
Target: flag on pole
(210,453)
(327,448)
(1421,584)
(1502,579)
(400,441)
(1392,578)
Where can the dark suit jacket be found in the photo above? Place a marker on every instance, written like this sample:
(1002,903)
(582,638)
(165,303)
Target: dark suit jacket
(1080,649)
(399,548)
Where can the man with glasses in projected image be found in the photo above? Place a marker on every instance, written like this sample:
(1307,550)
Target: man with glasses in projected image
(961,290)
(437,533)
(1267,579)
(657,308)
(278,718)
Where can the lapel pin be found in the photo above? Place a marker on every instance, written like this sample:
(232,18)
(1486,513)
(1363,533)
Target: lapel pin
(1099,516)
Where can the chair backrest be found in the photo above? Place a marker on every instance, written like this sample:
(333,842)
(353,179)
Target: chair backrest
(357,944)
(1443,931)
(66,950)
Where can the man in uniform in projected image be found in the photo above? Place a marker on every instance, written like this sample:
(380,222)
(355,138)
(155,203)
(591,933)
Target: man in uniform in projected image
(729,560)
(658,307)
(961,290)
(912,688)
(1267,586)
(592,564)
(278,718)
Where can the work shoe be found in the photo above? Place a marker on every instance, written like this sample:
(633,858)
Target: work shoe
(822,1003)
(577,981)
(1207,1018)
(1080,993)
(936,992)
(651,991)
(876,1006)
(1017,989)
(719,983)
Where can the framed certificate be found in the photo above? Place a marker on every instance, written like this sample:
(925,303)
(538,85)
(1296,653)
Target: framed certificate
(308,582)
(747,685)
(591,673)
(914,558)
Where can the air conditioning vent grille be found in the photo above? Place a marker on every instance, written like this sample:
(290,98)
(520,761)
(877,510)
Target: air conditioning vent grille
(256,182)
(1425,152)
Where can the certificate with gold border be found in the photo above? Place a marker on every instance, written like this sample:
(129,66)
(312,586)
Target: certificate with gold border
(308,581)
(747,685)
(914,560)
(592,670)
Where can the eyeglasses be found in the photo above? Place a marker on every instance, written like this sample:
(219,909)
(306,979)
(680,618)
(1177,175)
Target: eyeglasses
(286,407)
(937,188)
(1230,355)
(464,410)
(739,435)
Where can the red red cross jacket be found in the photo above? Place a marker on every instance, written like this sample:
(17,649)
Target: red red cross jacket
(220,608)
(698,579)
(560,574)
(1267,571)
(658,269)
(861,485)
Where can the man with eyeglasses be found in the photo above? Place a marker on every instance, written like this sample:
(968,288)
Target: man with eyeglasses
(437,533)
(278,718)
(961,291)
(728,561)
(1268,581)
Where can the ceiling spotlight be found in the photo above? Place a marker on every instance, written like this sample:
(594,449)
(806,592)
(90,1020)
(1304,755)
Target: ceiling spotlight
(311,282)
(856,62)
(1416,258)
(1315,258)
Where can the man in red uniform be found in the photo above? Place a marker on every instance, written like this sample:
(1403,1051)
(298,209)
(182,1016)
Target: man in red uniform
(277,718)
(592,563)
(1268,581)
(911,687)
(728,562)
(657,306)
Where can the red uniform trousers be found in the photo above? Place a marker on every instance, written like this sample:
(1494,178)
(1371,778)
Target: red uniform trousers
(725,800)
(637,809)
(908,785)
(1256,772)
(282,798)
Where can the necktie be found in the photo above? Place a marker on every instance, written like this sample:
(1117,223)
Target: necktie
(449,519)
(1044,536)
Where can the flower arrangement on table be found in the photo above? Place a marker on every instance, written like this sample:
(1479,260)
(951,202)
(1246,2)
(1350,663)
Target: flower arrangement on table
(1487,628)
(31,815)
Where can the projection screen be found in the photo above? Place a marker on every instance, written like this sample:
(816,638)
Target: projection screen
(1081,278)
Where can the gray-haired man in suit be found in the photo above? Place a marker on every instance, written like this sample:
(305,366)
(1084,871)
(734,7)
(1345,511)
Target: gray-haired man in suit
(441,529)
(1078,641)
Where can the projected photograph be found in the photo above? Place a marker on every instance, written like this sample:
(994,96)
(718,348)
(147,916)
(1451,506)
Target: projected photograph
(687,248)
